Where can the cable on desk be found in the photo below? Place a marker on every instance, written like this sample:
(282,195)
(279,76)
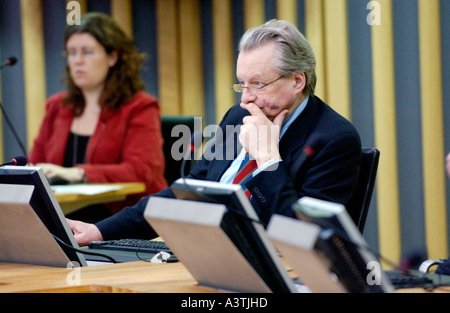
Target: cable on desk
(84,251)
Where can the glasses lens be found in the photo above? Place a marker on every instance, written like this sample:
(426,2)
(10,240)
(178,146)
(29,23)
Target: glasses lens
(238,88)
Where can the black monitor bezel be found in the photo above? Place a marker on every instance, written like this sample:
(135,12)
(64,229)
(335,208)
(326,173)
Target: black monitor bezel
(45,205)
(240,216)
(341,244)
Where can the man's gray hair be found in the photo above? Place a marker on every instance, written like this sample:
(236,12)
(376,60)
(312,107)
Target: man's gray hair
(293,52)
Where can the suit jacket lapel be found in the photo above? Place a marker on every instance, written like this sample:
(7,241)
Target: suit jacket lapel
(229,141)
(220,166)
(297,133)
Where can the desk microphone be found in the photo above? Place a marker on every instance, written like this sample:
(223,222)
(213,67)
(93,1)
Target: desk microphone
(13,130)
(18,160)
(309,151)
(9,62)
(195,143)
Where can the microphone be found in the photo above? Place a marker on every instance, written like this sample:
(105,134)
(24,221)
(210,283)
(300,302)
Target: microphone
(13,130)
(309,151)
(412,261)
(195,143)
(18,160)
(9,62)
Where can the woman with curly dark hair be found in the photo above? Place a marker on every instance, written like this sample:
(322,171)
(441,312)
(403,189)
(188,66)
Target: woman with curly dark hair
(104,128)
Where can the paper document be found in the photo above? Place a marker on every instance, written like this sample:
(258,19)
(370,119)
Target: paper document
(84,189)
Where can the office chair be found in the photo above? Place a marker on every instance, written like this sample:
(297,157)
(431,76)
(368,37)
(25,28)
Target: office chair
(173,166)
(358,206)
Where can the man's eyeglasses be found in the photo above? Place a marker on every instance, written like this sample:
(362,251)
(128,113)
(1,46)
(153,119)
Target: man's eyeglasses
(239,87)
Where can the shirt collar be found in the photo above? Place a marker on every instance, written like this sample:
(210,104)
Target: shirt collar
(291,118)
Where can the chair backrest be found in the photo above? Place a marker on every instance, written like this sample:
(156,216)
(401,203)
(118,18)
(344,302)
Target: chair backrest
(358,206)
(173,165)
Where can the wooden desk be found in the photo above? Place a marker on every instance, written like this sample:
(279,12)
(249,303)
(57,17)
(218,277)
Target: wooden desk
(131,277)
(74,201)
(122,277)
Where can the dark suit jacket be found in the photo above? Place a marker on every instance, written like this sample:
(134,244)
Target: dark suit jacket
(331,174)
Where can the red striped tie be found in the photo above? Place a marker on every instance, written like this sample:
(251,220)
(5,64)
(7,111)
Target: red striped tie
(245,173)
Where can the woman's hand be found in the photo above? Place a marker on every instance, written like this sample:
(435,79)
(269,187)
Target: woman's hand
(70,174)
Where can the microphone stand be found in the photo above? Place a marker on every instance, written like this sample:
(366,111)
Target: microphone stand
(11,127)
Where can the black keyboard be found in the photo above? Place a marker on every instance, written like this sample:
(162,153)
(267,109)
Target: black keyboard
(131,245)
(403,280)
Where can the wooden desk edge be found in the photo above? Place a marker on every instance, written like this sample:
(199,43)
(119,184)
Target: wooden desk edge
(135,277)
(130,277)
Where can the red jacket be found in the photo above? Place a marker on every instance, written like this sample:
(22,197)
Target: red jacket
(126,145)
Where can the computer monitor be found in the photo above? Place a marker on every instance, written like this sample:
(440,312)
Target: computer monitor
(342,246)
(45,205)
(241,225)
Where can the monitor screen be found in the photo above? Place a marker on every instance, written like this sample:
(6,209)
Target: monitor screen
(343,247)
(44,204)
(242,226)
